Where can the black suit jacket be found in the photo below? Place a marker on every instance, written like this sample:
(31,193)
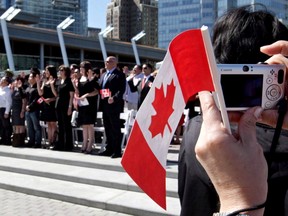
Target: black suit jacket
(142,92)
(116,83)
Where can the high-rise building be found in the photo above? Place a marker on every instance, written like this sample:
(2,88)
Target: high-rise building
(179,15)
(53,12)
(129,17)
(176,16)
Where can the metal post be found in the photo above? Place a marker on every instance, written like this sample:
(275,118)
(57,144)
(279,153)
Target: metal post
(102,45)
(81,55)
(133,41)
(62,46)
(42,56)
(135,52)
(63,25)
(8,16)
(7,45)
(101,36)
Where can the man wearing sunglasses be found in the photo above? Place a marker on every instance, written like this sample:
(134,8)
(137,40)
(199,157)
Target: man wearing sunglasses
(144,85)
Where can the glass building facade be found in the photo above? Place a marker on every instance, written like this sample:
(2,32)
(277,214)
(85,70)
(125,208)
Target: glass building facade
(53,12)
(177,16)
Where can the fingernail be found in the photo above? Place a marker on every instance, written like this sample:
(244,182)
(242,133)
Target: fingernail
(258,112)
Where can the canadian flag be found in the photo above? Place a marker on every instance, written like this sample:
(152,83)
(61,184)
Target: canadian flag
(40,100)
(184,72)
(105,93)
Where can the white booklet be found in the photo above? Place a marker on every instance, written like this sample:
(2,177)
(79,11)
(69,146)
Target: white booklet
(83,102)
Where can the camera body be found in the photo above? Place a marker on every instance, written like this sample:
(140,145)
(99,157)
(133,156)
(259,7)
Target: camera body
(249,85)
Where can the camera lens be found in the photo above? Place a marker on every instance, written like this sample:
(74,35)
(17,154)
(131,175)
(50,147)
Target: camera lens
(245,68)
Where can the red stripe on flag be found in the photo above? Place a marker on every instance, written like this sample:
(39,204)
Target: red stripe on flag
(144,168)
(189,57)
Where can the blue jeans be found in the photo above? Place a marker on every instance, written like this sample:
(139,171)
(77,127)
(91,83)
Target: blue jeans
(34,128)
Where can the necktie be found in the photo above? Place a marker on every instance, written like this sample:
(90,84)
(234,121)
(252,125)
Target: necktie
(143,83)
(106,78)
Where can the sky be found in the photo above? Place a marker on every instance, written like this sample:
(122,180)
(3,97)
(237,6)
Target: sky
(97,13)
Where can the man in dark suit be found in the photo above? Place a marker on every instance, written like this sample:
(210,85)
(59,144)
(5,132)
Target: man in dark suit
(143,86)
(113,84)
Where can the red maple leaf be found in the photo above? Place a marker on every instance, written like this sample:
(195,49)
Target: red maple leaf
(163,106)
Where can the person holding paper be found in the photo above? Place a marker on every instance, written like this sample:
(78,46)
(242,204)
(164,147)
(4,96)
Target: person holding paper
(237,38)
(87,106)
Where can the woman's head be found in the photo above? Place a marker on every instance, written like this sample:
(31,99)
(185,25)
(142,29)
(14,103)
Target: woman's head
(240,32)
(64,71)
(85,66)
(51,69)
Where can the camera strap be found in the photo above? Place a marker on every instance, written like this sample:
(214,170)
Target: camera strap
(282,108)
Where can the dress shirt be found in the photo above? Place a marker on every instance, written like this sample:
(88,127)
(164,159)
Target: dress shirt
(5,99)
(132,97)
(146,78)
(106,76)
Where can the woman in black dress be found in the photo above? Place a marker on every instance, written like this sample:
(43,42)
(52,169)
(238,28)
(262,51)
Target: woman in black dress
(64,102)
(18,112)
(86,94)
(48,112)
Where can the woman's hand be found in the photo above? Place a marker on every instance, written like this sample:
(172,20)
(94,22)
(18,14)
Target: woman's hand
(235,164)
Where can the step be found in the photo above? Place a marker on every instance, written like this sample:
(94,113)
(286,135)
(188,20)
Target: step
(71,168)
(78,159)
(85,175)
(128,202)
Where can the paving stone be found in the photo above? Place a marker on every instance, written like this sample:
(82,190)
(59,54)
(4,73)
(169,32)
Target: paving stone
(19,204)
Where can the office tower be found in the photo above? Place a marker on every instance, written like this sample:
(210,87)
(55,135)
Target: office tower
(178,16)
(53,12)
(129,17)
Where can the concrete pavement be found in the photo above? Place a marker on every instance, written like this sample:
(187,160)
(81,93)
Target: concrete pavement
(20,204)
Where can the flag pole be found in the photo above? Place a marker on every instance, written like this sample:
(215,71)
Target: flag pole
(215,76)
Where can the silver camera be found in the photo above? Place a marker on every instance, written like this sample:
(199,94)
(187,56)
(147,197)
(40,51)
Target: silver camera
(249,85)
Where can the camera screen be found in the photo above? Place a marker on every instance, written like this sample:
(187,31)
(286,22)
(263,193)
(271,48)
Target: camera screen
(242,90)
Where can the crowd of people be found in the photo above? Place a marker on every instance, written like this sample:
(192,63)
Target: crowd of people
(53,95)
(243,173)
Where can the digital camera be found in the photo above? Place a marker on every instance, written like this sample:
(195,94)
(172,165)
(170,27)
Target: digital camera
(249,85)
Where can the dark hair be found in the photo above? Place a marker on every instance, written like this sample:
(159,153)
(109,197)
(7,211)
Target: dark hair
(19,77)
(149,66)
(96,71)
(52,70)
(8,79)
(239,34)
(139,67)
(102,70)
(74,66)
(86,65)
(34,71)
(67,71)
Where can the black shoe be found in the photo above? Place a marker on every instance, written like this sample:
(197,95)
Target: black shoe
(105,153)
(37,146)
(116,155)
(29,145)
(8,143)
(56,148)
